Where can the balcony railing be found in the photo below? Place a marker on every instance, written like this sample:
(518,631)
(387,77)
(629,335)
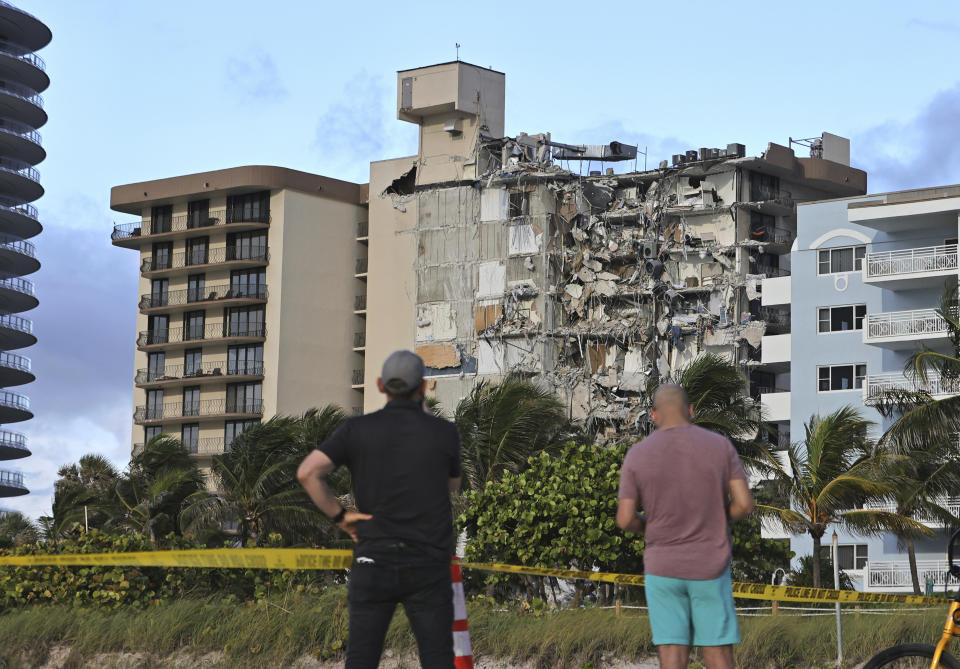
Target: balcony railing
(200,408)
(205,446)
(896,575)
(221,291)
(361,266)
(14,400)
(18,285)
(20,130)
(760,194)
(14,479)
(17,323)
(20,167)
(770,271)
(204,369)
(208,331)
(182,222)
(359,302)
(935,385)
(14,361)
(13,440)
(214,256)
(357,377)
(911,261)
(774,316)
(951,504)
(19,246)
(905,323)
(359,339)
(22,92)
(27,210)
(20,53)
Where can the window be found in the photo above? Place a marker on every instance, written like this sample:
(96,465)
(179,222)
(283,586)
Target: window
(158,292)
(161,219)
(841,259)
(191,401)
(245,322)
(247,246)
(151,431)
(249,208)
(244,397)
(192,361)
(196,287)
(849,556)
(840,377)
(249,283)
(190,436)
(158,329)
(764,187)
(162,254)
(245,359)
(193,325)
(197,251)
(519,204)
(154,404)
(198,214)
(156,366)
(841,319)
(234,428)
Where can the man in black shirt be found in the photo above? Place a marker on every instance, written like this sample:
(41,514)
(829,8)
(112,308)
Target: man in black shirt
(404,463)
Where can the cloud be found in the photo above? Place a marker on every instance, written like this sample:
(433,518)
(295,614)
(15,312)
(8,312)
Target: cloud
(941,26)
(922,151)
(363,128)
(83,360)
(255,75)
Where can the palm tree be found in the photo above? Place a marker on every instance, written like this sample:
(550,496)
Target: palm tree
(17,529)
(86,485)
(257,486)
(152,492)
(503,424)
(826,479)
(718,392)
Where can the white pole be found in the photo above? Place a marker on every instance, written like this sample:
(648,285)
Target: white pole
(86,525)
(836,585)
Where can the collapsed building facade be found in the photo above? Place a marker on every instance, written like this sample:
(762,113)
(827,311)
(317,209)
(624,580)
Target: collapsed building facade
(517,254)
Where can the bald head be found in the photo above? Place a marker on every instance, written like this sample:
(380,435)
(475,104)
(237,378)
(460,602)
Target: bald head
(671,406)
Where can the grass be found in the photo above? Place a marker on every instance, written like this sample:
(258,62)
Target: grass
(275,632)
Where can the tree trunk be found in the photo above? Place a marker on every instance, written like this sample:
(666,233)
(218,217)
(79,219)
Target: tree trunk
(816,561)
(914,576)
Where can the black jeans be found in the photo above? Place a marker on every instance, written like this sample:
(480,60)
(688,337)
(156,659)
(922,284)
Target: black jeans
(427,598)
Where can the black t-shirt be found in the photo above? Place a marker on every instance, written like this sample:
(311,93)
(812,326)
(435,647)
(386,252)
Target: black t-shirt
(401,460)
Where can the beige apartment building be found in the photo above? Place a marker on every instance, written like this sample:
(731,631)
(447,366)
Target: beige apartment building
(247,299)
(265,290)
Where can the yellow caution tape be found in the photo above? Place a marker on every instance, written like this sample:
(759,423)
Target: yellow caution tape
(304,558)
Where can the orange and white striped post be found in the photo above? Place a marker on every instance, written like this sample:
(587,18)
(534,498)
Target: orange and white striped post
(463,653)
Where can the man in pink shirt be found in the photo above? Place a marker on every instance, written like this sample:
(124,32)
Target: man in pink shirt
(690,484)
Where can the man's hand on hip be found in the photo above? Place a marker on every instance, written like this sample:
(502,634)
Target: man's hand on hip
(350,520)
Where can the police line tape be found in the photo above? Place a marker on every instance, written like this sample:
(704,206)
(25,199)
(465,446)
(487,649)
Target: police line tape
(317,559)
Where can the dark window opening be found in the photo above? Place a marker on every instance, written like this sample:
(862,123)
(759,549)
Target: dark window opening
(249,208)
(161,219)
(198,214)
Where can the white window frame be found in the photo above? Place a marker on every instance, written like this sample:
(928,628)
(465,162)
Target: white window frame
(855,377)
(856,555)
(857,262)
(842,306)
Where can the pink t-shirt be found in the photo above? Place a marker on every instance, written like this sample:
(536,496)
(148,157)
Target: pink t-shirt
(680,476)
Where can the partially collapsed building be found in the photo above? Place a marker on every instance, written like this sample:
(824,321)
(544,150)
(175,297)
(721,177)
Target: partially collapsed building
(490,253)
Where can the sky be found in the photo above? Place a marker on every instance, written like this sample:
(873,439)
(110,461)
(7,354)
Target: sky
(145,90)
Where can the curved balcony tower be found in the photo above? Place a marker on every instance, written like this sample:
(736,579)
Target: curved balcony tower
(23,78)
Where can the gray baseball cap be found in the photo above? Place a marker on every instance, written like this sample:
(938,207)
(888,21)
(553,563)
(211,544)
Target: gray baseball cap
(402,372)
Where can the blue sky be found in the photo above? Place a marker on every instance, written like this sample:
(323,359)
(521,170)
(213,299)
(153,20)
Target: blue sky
(145,90)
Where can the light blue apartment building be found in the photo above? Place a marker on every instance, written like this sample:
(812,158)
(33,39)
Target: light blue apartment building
(866,278)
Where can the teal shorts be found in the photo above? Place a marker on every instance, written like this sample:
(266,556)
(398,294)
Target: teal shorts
(692,613)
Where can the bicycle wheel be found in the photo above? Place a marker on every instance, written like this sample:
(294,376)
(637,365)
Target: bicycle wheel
(910,656)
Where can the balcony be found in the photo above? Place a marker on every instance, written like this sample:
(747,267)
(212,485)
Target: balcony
(895,576)
(935,386)
(363,231)
(11,484)
(951,504)
(20,221)
(13,445)
(14,407)
(17,295)
(16,332)
(357,379)
(222,293)
(772,201)
(178,412)
(15,370)
(905,329)
(20,178)
(775,352)
(206,446)
(360,271)
(228,256)
(19,64)
(908,269)
(17,258)
(211,332)
(130,235)
(206,372)
(21,141)
(777,320)
(21,103)
(776,404)
(359,341)
(360,305)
